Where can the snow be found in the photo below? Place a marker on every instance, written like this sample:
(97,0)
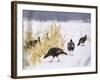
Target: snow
(81,56)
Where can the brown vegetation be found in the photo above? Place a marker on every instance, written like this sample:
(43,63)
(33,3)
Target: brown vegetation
(51,38)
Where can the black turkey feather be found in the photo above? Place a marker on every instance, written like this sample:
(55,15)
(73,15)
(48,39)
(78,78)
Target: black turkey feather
(55,52)
(70,45)
(82,40)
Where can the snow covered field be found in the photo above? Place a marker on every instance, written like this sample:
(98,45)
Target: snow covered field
(70,30)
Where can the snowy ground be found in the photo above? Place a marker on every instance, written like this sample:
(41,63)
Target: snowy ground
(81,57)
(69,30)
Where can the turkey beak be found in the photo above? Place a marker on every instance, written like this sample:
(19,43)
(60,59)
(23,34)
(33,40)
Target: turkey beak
(65,53)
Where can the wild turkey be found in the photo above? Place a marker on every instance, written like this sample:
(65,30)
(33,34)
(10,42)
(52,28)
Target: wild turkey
(70,46)
(82,40)
(55,52)
(36,41)
(32,43)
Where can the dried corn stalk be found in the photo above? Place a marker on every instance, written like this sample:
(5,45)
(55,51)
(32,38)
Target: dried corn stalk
(51,38)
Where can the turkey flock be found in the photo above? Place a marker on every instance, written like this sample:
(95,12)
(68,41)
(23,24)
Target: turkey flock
(55,52)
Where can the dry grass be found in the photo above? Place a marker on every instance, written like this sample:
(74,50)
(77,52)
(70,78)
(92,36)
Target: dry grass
(51,38)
